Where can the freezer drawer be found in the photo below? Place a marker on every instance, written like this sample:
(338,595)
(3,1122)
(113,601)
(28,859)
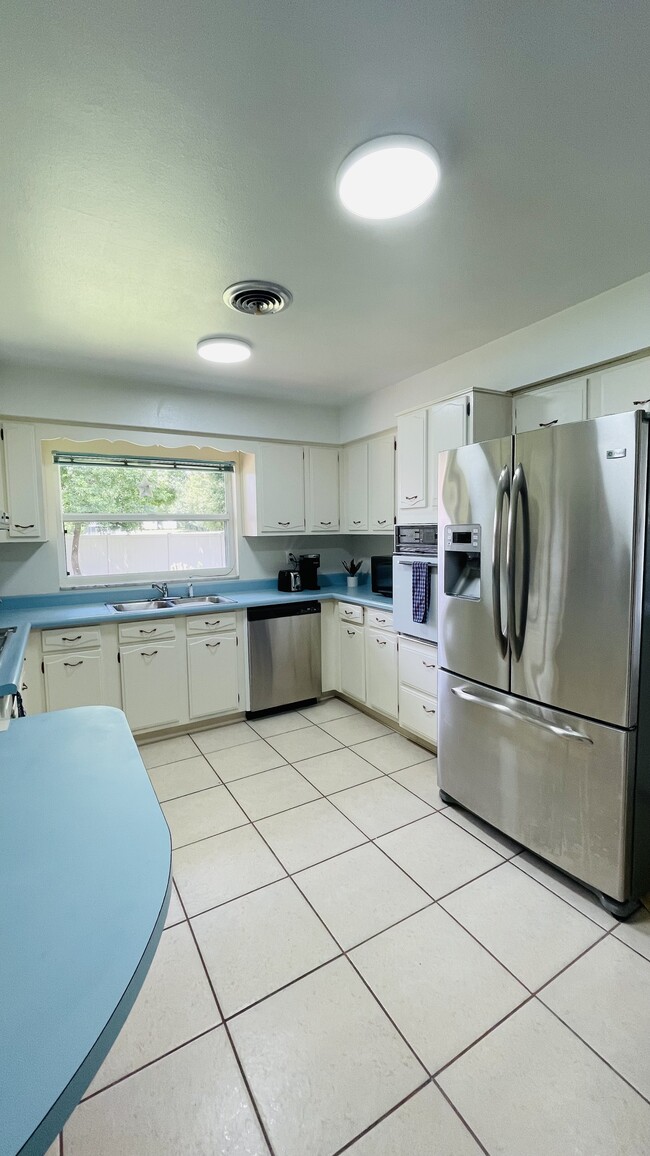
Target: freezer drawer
(559,784)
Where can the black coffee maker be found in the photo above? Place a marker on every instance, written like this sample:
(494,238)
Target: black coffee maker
(308,569)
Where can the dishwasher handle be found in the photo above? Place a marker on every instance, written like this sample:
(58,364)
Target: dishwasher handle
(282,610)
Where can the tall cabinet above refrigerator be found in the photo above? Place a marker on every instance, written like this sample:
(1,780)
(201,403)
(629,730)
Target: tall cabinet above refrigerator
(544,675)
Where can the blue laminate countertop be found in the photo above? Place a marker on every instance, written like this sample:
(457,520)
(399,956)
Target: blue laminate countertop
(95,607)
(85,860)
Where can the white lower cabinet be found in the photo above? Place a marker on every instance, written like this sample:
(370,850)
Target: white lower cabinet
(418,713)
(75,678)
(381,672)
(152,692)
(212,674)
(32,687)
(418,688)
(353,660)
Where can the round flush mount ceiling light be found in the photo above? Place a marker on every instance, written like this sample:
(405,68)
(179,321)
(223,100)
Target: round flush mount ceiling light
(388,177)
(226,350)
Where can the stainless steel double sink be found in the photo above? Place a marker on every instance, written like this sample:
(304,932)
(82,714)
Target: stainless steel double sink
(197,600)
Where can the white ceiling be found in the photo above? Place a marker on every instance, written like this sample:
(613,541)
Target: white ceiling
(154,151)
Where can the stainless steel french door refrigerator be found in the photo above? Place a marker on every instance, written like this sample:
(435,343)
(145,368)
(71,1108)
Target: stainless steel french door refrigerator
(544,647)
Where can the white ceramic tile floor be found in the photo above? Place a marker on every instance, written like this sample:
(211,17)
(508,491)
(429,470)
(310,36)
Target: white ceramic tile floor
(380,806)
(335,985)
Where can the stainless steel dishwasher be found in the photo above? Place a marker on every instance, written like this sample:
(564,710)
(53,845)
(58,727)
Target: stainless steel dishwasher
(284,654)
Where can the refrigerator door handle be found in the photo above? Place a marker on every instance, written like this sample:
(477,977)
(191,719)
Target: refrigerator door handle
(564,732)
(503,492)
(519,492)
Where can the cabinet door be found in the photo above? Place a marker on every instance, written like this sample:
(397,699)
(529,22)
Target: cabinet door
(281,488)
(418,713)
(381,484)
(74,679)
(619,389)
(353,661)
(447,431)
(381,672)
(151,689)
(412,461)
(322,480)
(32,686)
(554,405)
(212,675)
(356,487)
(23,481)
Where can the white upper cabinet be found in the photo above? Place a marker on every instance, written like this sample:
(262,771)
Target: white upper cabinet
(412,472)
(557,404)
(322,489)
(274,489)
(381,484)
(355,473)
(447,431)
(21,516)
(621,388)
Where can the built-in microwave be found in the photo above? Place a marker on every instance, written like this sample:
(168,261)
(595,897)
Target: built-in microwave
(381,574)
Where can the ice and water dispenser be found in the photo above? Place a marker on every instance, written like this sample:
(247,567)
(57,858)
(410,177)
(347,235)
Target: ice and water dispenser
(462,564)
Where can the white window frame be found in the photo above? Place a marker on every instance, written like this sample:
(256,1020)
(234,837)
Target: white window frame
(72,581)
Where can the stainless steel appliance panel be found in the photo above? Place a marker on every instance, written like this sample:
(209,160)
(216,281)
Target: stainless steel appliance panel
(284,657)
(579,643)
(559,785)
(470,481)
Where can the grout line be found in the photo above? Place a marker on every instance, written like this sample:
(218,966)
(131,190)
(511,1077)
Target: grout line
(624,943)
(148,1064)
(488,1032)
(460,1117)
(566,967)
(290,983)
(592,1049)
(214,835)
(244,1077)
(381,1119)
(380,835)
(186,794)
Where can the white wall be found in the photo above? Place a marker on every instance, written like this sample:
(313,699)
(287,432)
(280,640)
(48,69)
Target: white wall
(33,391)
(611,325)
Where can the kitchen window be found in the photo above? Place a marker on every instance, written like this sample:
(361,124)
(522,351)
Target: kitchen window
(137,518)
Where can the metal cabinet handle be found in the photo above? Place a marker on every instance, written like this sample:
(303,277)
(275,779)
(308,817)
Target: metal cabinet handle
(211,645)
(429,665)
(546,424)
(381,521)
(428,709)
(152,631)
(380,642)
(564,732)
(646,402)
(75,639)
(348,612)
(411,497)
(206,622)
(503,492)
(351,632)
(284,523)
(519,492)
(356,523)
(19,526)
(80,663)
(378,619)
(326,523)
(24,686)
(148,653)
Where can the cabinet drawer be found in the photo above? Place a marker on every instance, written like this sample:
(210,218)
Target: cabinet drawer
(379,619)
(211,623)
(143,631)
(73,638)
(349,613)
(418,666)
(418,713)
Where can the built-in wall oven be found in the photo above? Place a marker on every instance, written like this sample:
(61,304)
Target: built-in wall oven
(415,544)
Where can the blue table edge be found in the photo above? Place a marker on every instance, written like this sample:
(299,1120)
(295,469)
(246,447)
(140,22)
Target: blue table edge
(51,1124)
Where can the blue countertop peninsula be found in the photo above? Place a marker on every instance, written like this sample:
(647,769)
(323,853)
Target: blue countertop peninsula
(85,862)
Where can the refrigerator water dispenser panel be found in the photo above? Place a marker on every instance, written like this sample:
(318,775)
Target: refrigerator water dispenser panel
(462,562)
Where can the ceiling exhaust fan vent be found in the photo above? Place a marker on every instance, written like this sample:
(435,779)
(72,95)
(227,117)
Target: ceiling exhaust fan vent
(257,298)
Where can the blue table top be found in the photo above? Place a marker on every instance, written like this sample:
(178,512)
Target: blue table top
(94,608)
(85,861)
